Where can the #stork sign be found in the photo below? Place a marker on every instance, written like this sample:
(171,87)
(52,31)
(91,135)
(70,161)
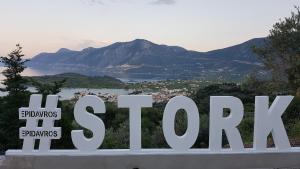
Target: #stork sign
(267,121)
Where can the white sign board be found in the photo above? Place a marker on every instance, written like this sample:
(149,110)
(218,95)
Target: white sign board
(267,120)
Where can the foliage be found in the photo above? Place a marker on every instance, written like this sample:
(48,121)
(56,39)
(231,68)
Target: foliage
(15,65)
(258,86)
(73,80)
(17,97)
(281,54)
(48,88)
(246,92)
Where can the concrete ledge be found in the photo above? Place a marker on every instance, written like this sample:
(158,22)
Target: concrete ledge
(151,161)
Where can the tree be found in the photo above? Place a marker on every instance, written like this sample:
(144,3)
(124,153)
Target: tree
(17,97)
(281,53)
(48,88)
(15,64)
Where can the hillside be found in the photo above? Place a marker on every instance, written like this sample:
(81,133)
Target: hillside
(74,80)
(144,59)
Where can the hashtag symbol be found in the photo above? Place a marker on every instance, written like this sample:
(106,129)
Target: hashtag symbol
(47,115)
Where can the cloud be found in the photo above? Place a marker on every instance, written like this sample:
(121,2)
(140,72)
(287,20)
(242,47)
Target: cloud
(104,2)
(89,43)
(93,2)
(163,2)
(79,44)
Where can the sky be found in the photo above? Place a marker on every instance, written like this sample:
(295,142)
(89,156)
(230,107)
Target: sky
(201,25)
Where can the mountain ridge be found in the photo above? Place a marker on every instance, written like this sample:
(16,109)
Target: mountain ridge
(141,58)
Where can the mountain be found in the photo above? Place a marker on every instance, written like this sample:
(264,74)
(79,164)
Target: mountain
(144,59)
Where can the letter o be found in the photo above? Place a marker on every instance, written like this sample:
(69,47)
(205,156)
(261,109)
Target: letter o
(187,140)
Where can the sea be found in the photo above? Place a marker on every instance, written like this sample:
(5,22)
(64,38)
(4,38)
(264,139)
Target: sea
(66,93)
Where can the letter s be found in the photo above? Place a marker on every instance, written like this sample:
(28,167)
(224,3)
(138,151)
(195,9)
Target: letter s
(88,121)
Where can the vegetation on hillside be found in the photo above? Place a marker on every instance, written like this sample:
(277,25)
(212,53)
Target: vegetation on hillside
(74,80)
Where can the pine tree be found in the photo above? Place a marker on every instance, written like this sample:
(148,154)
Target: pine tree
(17,97)
(15,65)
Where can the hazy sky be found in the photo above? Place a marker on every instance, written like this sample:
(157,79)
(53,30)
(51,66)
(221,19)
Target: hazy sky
(202,25)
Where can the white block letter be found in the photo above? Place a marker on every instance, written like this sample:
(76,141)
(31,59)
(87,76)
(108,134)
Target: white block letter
(135,104)
(88,121)
(218,123)
(187,140)
(269,121)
